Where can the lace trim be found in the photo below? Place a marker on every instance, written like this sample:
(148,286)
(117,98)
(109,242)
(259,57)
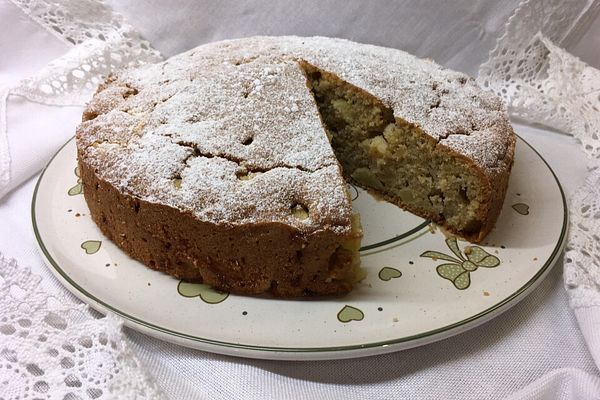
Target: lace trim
(582,259)
(4,150)
(53,346)
(541,82)
(104,41)
(71,79)
(75,22)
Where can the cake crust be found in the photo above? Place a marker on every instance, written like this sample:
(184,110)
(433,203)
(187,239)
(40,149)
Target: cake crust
(246,259)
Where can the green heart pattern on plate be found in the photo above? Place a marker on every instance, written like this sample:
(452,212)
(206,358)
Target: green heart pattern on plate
(91,246)
(521,208)
(205,292)
(388,273)
(349,313)
(78,188)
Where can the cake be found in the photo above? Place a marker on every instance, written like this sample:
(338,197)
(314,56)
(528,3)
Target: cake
(227,164)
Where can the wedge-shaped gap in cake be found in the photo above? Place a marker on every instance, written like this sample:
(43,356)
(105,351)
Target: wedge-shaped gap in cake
(397,160)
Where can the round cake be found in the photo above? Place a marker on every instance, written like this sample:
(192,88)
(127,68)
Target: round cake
(228,164)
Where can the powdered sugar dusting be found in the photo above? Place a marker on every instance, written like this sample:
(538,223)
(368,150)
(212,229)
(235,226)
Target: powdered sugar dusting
(181,132)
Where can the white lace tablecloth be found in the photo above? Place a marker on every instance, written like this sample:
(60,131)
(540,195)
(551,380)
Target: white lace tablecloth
(52,54)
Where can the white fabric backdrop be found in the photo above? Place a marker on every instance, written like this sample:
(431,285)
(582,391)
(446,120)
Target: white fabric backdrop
(538,343)
(458,34)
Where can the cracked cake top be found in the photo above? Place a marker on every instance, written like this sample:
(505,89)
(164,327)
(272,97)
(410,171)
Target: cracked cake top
(230,131)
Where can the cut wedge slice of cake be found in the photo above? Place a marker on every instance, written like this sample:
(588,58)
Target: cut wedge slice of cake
(400,162)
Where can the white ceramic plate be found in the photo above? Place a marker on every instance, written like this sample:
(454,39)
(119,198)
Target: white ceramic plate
(421,286)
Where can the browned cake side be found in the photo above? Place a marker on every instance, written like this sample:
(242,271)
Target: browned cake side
(246,259)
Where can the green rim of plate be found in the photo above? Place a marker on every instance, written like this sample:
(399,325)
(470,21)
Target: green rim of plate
(429,334)
(406,234)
